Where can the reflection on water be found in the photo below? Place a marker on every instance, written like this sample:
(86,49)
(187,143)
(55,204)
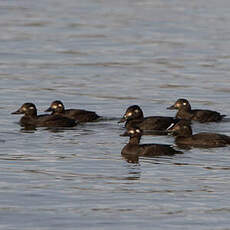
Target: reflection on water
(105,56)
(131,158)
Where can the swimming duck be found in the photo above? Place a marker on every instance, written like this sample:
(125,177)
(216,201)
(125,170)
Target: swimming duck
(135,148)
(184,137)
(31,118)
(134,117)
(57,108)
(201,115)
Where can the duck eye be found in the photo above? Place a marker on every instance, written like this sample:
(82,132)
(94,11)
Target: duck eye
(184,103)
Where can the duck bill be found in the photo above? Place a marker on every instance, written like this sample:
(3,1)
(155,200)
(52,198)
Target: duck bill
(49,110)
(18,112)
(172,107)
(123,119)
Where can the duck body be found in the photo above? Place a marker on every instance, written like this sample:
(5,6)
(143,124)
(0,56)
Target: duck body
(79,115)
(204,140)
(134,117)
(135,148)
(47,121)
(31,119)
(200,115)
(184,137)
(151,123)
(57,108)
(148,150)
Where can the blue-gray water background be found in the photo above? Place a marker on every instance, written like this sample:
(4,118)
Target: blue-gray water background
(106,55)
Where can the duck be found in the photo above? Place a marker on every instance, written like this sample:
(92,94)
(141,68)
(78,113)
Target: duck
(184,137)
(58,108)
(135,148)
(134,116)
(200,115)
(31,119)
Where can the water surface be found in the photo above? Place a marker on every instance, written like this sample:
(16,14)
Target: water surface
(105,56)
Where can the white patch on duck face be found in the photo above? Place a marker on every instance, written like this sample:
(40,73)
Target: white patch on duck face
(60,105)
(177,105)
(171,126)
(138,130)
(184,103)
(128,114)
(31,107)
(136,111)
(132,131)
(54,106)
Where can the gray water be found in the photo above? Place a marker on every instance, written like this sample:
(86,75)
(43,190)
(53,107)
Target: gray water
(105,56)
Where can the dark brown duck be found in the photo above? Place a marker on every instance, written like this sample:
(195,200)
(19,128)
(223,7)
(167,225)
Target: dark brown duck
(135,148)
(184,137)
(57,108)
(31,119)
(201,115)
(134,117)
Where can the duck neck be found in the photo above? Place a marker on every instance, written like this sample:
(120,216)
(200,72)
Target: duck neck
(186,108)
(133,122)
(185,133)
(58,112)
(141,116)
(31,115)
(134,140)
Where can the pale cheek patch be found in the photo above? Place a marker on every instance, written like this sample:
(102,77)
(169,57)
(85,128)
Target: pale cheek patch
(54,106)
(59,105)
(136,111)
(184,103)
(129,114)
(31,107)
(131,131)
(138,130)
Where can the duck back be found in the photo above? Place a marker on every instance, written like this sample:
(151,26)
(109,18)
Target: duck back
(149,150)
(204,140)
(152,123)
(81,115)
(206,115)
(47,121)
(55,121)
(200,115)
